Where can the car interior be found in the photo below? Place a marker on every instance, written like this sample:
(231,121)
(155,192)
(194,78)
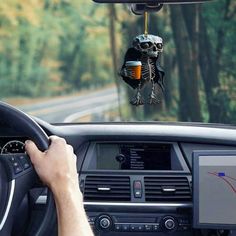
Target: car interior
(137,178)
(125,193)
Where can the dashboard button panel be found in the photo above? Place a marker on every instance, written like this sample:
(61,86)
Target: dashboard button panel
(16,164)
(25,162)
(160,223)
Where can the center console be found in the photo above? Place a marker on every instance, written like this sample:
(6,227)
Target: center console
(137,187)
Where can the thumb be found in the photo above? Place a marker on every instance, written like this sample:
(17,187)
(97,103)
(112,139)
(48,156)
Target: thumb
(32,150)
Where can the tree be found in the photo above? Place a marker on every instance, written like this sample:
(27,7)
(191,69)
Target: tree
(189,104)
(214,34)
(114,53)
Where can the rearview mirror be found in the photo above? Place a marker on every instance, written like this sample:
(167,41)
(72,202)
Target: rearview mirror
(152,1)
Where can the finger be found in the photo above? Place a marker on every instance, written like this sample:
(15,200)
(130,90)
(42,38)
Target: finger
(32,150)
(70,148)
(55,139)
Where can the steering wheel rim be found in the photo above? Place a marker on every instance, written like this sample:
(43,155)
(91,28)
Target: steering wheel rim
(23,123)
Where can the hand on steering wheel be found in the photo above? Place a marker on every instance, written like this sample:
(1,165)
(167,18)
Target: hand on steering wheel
(51,166)
(17,174)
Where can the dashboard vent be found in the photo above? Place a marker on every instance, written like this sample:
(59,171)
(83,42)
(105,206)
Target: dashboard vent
(107,188)
(162,189)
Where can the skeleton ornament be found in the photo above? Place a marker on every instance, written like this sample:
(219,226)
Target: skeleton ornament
(141,66)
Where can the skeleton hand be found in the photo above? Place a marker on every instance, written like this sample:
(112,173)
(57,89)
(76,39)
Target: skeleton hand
(153,99)
(137,100)
(153,96)
(127,73)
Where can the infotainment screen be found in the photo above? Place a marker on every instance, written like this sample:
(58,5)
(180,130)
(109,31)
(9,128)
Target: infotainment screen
(214,189)
(134,157)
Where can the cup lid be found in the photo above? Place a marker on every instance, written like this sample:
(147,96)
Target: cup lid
(133,63)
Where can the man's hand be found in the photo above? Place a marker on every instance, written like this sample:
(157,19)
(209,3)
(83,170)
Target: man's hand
(56,167)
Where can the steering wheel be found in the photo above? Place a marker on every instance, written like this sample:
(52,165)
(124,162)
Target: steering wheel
(17,175)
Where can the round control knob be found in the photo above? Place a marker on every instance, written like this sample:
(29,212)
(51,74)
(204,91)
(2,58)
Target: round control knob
(169,224)
(105,223)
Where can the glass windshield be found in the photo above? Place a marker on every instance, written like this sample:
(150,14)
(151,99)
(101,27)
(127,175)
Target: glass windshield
(64,60)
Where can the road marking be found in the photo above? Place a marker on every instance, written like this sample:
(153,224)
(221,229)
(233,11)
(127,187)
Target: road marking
(75,104)
(80,114)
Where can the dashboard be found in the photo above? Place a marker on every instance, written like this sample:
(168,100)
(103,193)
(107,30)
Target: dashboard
(143,178)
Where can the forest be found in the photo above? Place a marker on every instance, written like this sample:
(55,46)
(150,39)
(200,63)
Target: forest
(57,47)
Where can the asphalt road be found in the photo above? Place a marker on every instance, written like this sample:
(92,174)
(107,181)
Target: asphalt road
(71,109)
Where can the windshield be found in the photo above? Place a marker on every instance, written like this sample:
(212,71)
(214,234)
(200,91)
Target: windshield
(61,61)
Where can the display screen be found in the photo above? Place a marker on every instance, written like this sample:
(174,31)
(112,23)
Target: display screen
(133,157)
(215,191)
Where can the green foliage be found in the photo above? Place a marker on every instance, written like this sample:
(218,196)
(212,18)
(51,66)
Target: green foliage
(51,47)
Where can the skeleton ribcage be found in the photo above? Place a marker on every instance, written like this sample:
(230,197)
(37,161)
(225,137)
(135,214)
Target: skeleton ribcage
(148,68)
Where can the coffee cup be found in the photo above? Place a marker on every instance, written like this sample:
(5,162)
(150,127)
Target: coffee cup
(134,67)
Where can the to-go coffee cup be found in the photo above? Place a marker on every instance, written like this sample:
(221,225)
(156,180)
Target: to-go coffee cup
(135,68)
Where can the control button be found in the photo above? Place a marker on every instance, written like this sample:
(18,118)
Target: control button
(22,158)
(118,227)
(17,169)
(184,227)
(184,221)
(148,227)
(16,166)
(132,227)
(169,224)
(91,219)
(26,166)
(105,223)
(24,162)
(125,227)
(140,227)
(12,159)
(137,189)
(155,227)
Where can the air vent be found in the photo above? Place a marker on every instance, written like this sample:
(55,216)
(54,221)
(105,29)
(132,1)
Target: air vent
(107,188)
(171,189)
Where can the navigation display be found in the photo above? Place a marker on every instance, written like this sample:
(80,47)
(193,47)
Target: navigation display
(133,157)
(215,191)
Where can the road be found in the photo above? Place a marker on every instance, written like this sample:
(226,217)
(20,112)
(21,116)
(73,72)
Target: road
(74,108)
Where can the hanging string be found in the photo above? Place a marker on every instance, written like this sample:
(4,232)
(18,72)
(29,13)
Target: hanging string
(145,23)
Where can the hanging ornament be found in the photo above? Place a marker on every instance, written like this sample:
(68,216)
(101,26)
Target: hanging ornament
(141,65)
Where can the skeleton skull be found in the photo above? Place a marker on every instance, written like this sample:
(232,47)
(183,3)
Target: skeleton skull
(150,45)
